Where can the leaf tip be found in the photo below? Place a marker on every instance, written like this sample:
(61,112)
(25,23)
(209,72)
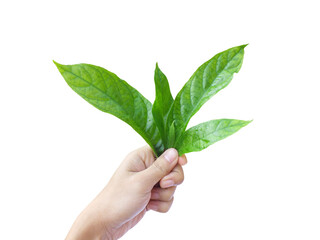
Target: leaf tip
(58,65)
(244,45)
(247,122)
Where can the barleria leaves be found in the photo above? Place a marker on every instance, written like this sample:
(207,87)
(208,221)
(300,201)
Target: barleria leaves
(107,92)
(204,134)
(163,124)
(208,79)
(162,103)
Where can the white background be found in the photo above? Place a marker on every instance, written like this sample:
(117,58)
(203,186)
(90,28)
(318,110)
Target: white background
(57,151)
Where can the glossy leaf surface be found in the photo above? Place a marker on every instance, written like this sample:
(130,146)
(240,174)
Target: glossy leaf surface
(208,79)
(162,103)
(171,136)
(164,124)
(203,135)
(107,92)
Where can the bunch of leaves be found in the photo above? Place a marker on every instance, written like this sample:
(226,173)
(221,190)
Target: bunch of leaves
(163,124)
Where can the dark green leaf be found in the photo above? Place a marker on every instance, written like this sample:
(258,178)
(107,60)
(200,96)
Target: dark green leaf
(171,136)
(209,78)
(162,103)
(107,92)
(203,135)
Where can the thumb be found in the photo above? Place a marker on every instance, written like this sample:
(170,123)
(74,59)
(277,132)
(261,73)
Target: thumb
(161,167)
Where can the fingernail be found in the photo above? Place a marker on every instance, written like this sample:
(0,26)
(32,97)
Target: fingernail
(171,155)
(167,184)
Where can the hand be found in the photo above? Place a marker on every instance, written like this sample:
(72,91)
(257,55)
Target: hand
(141,183)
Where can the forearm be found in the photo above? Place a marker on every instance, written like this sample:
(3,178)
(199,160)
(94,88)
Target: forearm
(88,227)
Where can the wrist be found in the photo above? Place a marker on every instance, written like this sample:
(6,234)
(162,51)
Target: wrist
(88,226)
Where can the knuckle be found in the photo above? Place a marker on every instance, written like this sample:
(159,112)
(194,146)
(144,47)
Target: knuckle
(168,194)
(181,180)
(180,176)
(159,167)
(166,206)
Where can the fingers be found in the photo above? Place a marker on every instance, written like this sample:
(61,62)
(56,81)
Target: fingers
(183,160)
(139,159)
(159,206)
(162,197)
(174,178)
(160,168)
(162,194)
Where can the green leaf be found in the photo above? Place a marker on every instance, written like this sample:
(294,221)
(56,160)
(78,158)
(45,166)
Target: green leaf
(208,79)
(171,136)
(162,103)
(162,125)
(203,135)
(107,92)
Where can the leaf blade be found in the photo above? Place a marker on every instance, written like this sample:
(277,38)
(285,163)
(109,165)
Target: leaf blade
(208,79)
(171,136)
(205,134)
(107,92)
(162,103)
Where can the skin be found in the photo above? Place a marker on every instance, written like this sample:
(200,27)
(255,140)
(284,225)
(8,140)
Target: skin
(141,183)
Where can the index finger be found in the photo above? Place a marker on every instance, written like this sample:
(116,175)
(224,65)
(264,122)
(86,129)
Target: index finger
(183,160)
(174,178)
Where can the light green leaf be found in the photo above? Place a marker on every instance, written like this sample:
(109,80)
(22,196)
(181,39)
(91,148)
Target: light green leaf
(208,79)
(203,135)
(162,103)
(107,92)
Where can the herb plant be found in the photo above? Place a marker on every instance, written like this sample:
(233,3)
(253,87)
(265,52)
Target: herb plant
(163,124)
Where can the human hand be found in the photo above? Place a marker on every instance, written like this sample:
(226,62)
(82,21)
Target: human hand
(141,183)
